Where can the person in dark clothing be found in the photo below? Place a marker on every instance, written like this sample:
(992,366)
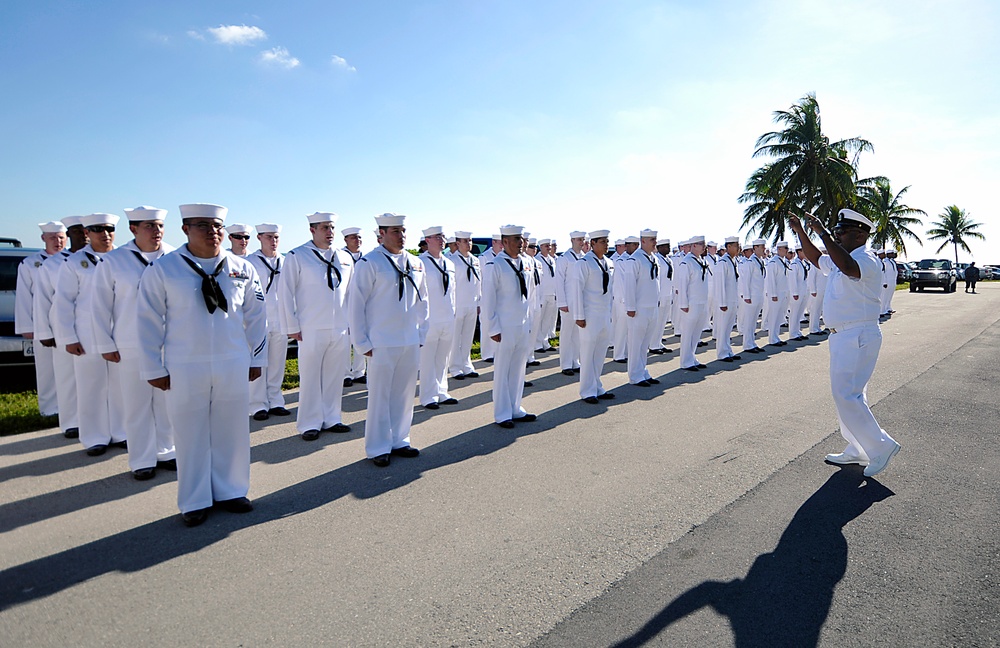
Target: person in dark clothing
(971,277)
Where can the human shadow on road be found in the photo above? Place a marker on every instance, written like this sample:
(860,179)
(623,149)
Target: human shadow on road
(785,597)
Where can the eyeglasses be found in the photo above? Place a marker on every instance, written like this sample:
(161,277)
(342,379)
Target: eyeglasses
(206,226)
(98,229)
(241,237)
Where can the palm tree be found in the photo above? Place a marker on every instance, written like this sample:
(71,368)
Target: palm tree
(892,218)
(808,172)
(954,227)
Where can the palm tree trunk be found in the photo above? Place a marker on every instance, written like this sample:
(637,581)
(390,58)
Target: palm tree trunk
(955,243)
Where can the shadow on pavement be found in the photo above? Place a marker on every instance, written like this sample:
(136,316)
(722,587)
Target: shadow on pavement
(785,597)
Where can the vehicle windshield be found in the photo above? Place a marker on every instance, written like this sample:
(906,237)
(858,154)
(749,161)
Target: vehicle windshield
(934,264)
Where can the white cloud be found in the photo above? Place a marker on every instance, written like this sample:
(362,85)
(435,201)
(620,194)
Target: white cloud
(340,62)
(237,34)
(280,57)
(195,35)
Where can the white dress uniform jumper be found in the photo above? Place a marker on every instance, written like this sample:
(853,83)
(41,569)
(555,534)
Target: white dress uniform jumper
(726,287)
(751,287)
(359,363)
(798,284)
(641,284)
(468,292)
(435,354)
(592,300)
(817,285)
(776,286)
(666,299)
(62,361)
(547,309)
(569,333)
(691,290)
(265,394)
(27,284)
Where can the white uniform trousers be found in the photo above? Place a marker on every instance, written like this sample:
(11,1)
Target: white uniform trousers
(460,362)
(508,373)
(748,323)
(642,334)
(62,366)
(534,320)
(97,405)
(796,309)
(775,316)
(144,417)
(853,354)
(886,302)
(434,359)
(662,315)
(722,331)
(265,392)
(487,347)
(594,341)
(710,311)
(392,381)
(552,321)
(358,363)
(322,365)
(206,401)
(619,331)
(45,379)
(815,312)
(691,329)
(569,342)
(546,322)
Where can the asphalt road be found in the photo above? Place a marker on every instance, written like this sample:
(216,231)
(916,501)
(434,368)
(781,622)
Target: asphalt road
(695,512)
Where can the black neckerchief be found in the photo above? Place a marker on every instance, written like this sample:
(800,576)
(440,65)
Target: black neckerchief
(276,270)
(570,251)
(443,269)
(519,271)
(703,266)
(210,288)
(552,271)
(96,259)
(353,258)
(534,271)
(733,261)
(605,277)
(784,263)
(805,268)
(141,258)
(330,268)
(763,270)
(403,274)
(654,269)
(670,266)
(470,269)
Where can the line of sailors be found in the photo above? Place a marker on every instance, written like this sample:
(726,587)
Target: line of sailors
(152,349)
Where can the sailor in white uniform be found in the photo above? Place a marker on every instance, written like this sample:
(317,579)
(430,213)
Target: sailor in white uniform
(239,239)
(487,347)
(691,293)
(711,260)
(141,408)
(266,397)
(508,289)
(356,372)
(751,288)
(776,292)
(798,289)
(202,329)
(535,265)
(569,333)
(547,309)
(851,308)
(619,320)
(893,275)
(666,300)
(590,303)
(436,351)
(62,361)
(315,288)
(640,281)
(388,316)
(817,293)
(54,238)
(468,293)
(73,324)
(727,299)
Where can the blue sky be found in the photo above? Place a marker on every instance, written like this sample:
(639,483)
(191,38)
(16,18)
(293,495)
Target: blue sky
(473,114)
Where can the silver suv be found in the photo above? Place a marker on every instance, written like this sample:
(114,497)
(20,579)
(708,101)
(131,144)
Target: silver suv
(14,350)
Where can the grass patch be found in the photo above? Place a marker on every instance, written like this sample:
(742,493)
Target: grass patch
(19,413)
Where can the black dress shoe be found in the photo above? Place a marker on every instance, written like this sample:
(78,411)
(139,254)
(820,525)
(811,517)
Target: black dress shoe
(541,350)
(97,450)
(534,363)
(348,382)
(653,381)
(169,464)
(622,361)
(590,399)
(235,505)
(194,518)
(72,433)
(119,444)
(568,372)
(702,343)
(642,383)
(406,451)
(506,424)
(690,368)
(528,383)
(606,396)
(338,428)
(260,415)
(458,377)
(279,411)
(735,357)
(144,473)
(381,461)
(487,359)
(702,366)
(527,418)
(432,406)
(310,435)
(729,359)
(361,380)
(450,401)
(472,374)
(576,369)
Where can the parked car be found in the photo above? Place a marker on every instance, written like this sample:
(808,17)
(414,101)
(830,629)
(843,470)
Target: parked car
(14,350)
(990,272)
(934,273)
(904,272)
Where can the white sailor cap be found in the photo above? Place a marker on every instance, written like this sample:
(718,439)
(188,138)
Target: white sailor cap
(890,251)
(647,233)
(496,237)
(631,239)
(695,239)
(239,228)
(619,242)
(433,231)
(850,214)
(51,227)
(660,242)
(798,246)
(758,242)
(145,213)
(596,234)
(526,234)
(781,244)
(532,241)
(577,234)
(350,231)
(747,246)
(389,219)
(732,239)
(70,221)
(544,241)
(203,210)
(451,239)
(511,230)
(462,234)
(322,217)
(711,244)
(90,220)
(268,228)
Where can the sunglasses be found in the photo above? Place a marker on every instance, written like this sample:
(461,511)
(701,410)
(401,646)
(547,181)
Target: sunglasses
(241,237)
(97,229)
